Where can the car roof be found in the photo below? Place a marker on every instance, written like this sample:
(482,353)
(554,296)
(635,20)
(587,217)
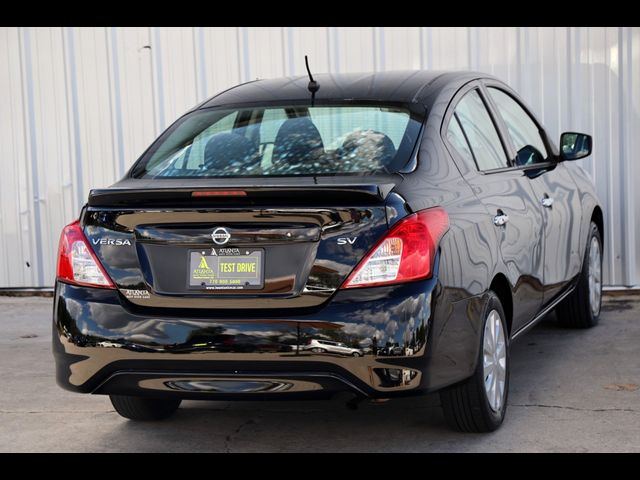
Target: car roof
(407,86)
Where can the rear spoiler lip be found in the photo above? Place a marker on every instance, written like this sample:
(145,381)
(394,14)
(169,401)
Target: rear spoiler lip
(127,197)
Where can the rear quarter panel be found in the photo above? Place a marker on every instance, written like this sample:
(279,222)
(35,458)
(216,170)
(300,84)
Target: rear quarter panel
(469,257)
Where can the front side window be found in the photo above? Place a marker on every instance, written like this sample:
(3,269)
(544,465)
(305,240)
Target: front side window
(472,132)
(284,140)
(522,129)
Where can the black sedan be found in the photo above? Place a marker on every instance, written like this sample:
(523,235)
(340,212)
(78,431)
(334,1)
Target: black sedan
(423,218)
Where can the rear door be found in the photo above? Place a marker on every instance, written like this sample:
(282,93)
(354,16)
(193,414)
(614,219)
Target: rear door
(558,199)
(512,208)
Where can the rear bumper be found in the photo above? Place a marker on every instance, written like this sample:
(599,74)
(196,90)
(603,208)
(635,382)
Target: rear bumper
(103,346)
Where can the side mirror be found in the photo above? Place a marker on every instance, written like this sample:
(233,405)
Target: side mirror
(574,146)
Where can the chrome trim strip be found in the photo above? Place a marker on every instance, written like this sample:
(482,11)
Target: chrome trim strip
(543,312)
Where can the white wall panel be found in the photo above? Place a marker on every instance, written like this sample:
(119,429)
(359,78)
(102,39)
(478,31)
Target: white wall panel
(79,105)
(399,47)
(218,59)
(15,200)
(263,52)
(173,51)
(355,49)
(95,111)
(311,41)
(133,100)
(446,48)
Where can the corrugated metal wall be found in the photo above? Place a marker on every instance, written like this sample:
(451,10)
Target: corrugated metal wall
(78,105)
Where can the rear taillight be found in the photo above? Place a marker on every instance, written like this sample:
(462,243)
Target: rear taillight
(77,263)
(405,253)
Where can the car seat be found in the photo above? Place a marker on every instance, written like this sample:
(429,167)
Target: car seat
(229,153)
(366,150)
(297,143)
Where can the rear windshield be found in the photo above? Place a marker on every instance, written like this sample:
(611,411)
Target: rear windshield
(282,141)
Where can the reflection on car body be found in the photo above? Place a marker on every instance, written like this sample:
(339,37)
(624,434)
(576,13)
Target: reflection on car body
(327,346)
(391,349)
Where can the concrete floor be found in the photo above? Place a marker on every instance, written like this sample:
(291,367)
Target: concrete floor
(563,398)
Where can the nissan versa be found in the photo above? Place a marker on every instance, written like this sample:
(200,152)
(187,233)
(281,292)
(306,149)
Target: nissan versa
(384,234)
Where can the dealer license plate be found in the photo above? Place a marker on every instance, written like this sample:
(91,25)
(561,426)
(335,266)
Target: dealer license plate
(226,269)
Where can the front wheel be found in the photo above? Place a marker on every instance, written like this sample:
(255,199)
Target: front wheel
(479,403)
(581,309)
(143,408)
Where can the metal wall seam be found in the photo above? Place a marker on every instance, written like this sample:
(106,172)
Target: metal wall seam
(290,60)
(158,81)
(243,41)
(422,40)
(31,137)
(376,47)
(333,44)
(283,51)
(116,104)
(202,66)
(19,244)
(72,117)
(381,49)
(629,245)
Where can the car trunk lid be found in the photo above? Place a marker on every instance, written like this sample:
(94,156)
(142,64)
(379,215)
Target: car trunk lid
(288,245)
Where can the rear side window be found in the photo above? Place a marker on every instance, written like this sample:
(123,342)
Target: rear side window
(457,138)
(522,129)
(284,140)
(472,132)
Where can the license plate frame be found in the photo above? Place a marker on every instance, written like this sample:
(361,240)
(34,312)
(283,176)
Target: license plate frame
(234,275)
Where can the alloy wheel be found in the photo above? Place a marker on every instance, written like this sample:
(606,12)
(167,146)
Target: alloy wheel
(494,360)
(595,276)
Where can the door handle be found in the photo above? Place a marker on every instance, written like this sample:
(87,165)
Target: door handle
(547,201)
(500,219)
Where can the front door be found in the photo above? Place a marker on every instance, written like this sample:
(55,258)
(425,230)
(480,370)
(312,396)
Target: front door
(561,207)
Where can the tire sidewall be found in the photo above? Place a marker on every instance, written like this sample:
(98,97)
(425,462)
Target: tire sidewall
(494,418)
(593,232)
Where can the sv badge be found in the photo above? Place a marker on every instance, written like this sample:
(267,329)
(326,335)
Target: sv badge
(345,240)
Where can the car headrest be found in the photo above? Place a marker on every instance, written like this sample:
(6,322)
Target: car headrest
(228,152)
(368,148)
(298,141)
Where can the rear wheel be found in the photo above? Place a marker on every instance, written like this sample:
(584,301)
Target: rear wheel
(479,403)
(581,309)
(143,408)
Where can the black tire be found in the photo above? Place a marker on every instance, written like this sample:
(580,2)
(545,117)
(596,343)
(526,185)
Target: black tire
(355,354)
(575,311)
(143,408)
(466,406)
